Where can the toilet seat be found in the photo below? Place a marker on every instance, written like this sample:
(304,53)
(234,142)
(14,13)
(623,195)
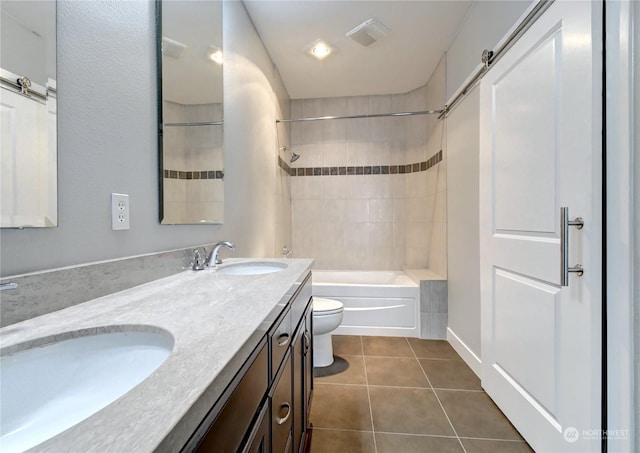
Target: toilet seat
(325,307)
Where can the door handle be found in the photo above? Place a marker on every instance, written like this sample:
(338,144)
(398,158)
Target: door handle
(565,223)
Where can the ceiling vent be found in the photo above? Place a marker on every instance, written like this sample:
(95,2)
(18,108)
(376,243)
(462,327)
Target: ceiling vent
(368,32)
(171,48)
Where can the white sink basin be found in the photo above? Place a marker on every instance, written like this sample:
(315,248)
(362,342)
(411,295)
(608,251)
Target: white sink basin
(47,389)
(252,268)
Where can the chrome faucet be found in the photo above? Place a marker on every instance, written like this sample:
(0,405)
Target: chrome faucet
(213,258)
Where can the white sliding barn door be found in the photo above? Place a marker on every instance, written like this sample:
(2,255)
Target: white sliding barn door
(540,150)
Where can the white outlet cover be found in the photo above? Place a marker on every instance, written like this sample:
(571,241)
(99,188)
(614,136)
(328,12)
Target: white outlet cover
(119,211)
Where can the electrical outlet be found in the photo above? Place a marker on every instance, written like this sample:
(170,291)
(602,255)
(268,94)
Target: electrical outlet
(119,211)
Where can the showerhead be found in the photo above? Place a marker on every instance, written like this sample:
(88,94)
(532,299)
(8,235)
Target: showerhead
(294,157)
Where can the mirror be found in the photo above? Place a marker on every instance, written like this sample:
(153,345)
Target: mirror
(28,151)
(191,112)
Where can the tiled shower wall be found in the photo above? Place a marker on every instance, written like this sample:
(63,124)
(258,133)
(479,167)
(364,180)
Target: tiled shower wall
(193,163)
(369,193)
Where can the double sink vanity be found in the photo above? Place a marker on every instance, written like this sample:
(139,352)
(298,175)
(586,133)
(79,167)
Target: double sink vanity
(214,360)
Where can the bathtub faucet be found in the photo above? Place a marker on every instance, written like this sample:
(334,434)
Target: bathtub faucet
(213,258)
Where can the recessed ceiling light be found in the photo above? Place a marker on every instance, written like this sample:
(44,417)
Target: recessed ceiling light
(320,50)
(215,55)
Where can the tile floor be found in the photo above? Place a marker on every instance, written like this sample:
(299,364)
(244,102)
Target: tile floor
(403,395)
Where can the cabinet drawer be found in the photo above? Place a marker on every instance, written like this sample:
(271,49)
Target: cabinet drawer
(282,409)
(299,304)
(227,431)
(280,339)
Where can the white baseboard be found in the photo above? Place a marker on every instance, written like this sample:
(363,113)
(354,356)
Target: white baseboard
(463,350)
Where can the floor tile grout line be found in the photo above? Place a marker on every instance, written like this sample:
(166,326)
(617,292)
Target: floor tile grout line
(399,386)
(414,356)
(366,379)
(344,429)
(459,390)
(418,434)
(520,441)
(437,398)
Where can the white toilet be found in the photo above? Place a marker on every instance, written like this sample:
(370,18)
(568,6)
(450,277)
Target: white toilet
(327,316)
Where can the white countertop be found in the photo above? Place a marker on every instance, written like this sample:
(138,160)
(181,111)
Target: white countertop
(215,319)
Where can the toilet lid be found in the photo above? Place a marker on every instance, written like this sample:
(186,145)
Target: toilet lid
(326,306)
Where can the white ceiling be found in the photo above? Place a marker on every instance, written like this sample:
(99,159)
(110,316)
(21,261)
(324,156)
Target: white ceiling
(421,31)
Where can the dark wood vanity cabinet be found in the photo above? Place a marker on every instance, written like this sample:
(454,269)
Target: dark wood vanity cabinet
(298,365)
(228,429)
(260,438)
(302,379)
(265,408)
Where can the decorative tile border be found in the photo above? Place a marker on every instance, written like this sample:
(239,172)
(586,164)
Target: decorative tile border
(202,174)
(362,170)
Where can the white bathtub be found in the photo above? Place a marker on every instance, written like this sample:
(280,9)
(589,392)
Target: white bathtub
(375,302)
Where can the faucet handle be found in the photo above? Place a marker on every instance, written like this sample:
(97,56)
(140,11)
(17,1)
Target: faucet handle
(198,260)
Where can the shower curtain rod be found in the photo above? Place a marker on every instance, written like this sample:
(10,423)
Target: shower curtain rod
(199,123)
(373,115)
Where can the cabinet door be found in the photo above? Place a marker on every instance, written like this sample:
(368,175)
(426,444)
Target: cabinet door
(308,365)
(298,387)
(282,409)
(260,437)
(225,434)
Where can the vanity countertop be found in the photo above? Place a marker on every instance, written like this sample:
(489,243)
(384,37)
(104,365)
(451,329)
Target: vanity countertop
(216,321)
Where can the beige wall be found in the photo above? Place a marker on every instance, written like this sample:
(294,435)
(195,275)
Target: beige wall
(282,219)
(463,220)
(252,87)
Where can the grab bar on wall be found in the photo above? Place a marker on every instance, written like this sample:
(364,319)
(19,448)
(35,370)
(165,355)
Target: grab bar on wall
(372,115)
